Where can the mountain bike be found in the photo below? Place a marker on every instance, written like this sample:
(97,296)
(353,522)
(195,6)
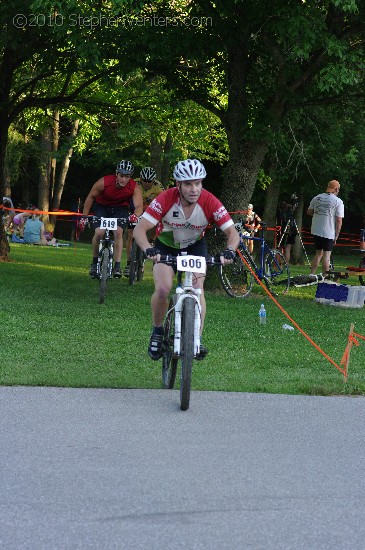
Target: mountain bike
(237,279)
(182,324)
(136,266)
(106,251)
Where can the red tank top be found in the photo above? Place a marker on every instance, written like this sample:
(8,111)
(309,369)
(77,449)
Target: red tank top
(113,195)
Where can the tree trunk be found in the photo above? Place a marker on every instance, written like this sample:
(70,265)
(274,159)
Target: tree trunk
(55,142)
(4,126)
(298,252)
(270,208)
(7,180)
(165,169)
(45,170)
(60,182)
(156,154)
(241,172)
(4,245)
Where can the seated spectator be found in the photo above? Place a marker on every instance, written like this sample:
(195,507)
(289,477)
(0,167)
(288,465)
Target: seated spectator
(34,232)
(48,231)
(19,220)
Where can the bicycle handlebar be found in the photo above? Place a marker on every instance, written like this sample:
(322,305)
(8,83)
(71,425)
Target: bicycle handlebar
(98,218)
(171,260)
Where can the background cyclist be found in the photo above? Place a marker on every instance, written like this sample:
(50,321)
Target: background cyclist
(181,215)
(150,188)
(251,223)
(111,195)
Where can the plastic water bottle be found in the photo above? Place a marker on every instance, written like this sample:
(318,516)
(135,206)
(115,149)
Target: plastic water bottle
(262,315)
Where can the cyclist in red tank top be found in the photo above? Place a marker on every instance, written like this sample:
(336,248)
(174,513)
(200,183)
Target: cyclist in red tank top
(110,196)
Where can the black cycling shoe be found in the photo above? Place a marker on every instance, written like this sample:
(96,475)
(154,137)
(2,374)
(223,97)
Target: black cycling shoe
(93,271)
(117,272)
(155,346)
(203,352)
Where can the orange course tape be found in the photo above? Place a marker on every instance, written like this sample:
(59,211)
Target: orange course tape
(344,370)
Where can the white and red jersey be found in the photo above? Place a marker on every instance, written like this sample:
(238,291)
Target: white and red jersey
(177,231)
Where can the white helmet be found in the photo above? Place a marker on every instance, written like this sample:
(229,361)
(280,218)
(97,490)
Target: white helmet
(125,167)
(190,169)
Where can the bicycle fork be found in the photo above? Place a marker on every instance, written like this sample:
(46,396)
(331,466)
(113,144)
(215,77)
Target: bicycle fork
(182,295)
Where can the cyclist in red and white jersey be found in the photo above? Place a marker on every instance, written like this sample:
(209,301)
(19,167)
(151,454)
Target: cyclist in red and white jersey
(181,215)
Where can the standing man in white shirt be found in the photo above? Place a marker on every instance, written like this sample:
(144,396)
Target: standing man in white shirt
(327,212)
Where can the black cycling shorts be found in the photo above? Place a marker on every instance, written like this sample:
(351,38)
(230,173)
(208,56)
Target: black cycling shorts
(199,248)
(321,243)
(102,211)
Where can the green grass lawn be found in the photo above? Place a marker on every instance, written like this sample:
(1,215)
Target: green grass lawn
(55,333)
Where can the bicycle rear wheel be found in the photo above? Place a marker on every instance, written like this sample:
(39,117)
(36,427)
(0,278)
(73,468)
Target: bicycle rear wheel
(133,263)
(104,263)
(362,265)
(187,351)
(276,272)
(169,362)
(236,279)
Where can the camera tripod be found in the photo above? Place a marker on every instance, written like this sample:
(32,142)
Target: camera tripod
(292,223)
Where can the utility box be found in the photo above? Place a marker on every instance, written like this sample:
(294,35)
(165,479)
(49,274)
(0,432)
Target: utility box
(335,294)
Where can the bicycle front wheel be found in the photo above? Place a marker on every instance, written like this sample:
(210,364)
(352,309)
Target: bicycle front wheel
(187,351)
(169,362)
(276,272)
(133,263)
(362,265)
(140,264)
(236,279)
(104,263)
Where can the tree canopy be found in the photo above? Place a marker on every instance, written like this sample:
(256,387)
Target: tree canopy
(239,74)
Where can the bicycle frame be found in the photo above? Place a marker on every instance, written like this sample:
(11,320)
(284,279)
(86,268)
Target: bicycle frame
(264,249)
(106,242)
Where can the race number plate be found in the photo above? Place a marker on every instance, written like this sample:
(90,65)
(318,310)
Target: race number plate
(109,223)
(197,264)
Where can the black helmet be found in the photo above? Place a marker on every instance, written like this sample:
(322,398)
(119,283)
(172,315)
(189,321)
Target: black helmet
(125,167)
(148,174)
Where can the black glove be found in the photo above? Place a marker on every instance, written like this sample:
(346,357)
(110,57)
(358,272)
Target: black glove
(151,252)
(228,254)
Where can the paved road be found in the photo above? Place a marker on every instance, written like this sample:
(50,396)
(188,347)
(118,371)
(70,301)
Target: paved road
(111,469)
